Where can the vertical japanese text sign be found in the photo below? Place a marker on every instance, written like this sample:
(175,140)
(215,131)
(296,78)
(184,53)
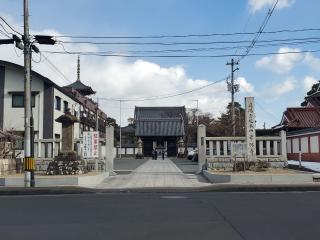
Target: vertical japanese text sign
(90,144)
(250,128)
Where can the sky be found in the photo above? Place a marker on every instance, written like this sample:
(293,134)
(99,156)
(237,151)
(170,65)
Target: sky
(276,81)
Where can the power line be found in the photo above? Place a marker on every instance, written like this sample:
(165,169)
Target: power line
(183,56)
(261,29)
(193,43)
(10,26)
(5,33)
(311,41)
(55,68)
(188,35)
(268,113)
(167,95)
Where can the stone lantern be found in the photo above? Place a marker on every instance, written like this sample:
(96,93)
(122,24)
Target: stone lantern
(139,154)
(181,148)
(67,156)
(67,120)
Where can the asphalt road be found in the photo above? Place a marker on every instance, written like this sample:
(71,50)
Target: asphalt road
(162,216)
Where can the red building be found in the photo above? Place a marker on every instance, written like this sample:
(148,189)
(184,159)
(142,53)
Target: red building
(302,125)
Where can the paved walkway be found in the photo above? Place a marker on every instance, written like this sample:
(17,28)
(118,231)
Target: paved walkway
(154,174)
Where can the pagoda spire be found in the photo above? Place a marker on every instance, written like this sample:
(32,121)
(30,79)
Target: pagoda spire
(78,69)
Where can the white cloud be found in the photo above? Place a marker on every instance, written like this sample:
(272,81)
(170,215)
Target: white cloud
(285,87)
(282,63)
(308,81)
(256,5)
(121,78)
(245,86)
(312,61)
(276,90)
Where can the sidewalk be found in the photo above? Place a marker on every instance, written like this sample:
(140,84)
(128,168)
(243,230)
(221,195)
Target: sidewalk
(154,174)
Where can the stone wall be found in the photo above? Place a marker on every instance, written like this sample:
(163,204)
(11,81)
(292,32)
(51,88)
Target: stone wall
(7,166)
(227,163)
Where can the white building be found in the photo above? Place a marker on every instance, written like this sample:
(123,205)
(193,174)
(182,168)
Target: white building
(49,101)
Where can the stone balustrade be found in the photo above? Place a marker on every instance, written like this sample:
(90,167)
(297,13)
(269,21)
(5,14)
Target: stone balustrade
(218,152)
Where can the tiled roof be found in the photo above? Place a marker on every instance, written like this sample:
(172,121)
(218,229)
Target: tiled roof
(159,112)
(166,128)
(303,117)
(159,121)
(80,87)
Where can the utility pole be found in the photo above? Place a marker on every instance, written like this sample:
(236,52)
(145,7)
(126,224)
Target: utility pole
(120,101)
(233,88)
(28,159)
(197,112)
(97,115)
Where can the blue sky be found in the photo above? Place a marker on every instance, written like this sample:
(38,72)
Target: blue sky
(276,81)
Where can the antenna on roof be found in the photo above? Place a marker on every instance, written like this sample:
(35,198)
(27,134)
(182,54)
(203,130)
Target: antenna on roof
(78,69)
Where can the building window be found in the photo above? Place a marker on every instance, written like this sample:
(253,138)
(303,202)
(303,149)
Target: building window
(18,100)
(65,106)
(58,103)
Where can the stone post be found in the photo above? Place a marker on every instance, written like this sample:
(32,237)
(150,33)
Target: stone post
(139,154)
(201,143)
(250,124)
(181,148)
(283,145)
(109,149)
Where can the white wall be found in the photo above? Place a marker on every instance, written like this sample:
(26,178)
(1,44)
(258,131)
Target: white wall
(314,141)
(304,145)
(14,117)
(295,145)
(72,105)
(288,145)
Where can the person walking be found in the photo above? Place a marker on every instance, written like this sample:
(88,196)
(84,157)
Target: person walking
(162,154)
(155,154)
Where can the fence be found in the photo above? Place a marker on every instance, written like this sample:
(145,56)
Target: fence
(126,152)
(216,152)
(47,149)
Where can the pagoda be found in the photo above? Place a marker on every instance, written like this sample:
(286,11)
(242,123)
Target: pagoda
(83,89)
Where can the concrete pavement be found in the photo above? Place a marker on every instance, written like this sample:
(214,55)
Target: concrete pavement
(155,174)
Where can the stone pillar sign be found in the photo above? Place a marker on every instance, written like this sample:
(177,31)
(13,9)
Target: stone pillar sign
(201,143)
(250,122)
(109,149)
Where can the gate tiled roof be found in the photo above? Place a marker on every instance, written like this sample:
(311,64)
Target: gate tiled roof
(159,121)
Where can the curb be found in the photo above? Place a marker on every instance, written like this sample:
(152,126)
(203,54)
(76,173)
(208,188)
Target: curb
(221,188)
(8,191)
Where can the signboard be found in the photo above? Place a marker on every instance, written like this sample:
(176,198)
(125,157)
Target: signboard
(250,128)
(90,145)
(239,149)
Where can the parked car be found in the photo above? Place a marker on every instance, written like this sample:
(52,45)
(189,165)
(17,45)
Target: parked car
(195,157)
(191,154)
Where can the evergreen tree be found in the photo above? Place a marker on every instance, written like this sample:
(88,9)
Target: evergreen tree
(313,90)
